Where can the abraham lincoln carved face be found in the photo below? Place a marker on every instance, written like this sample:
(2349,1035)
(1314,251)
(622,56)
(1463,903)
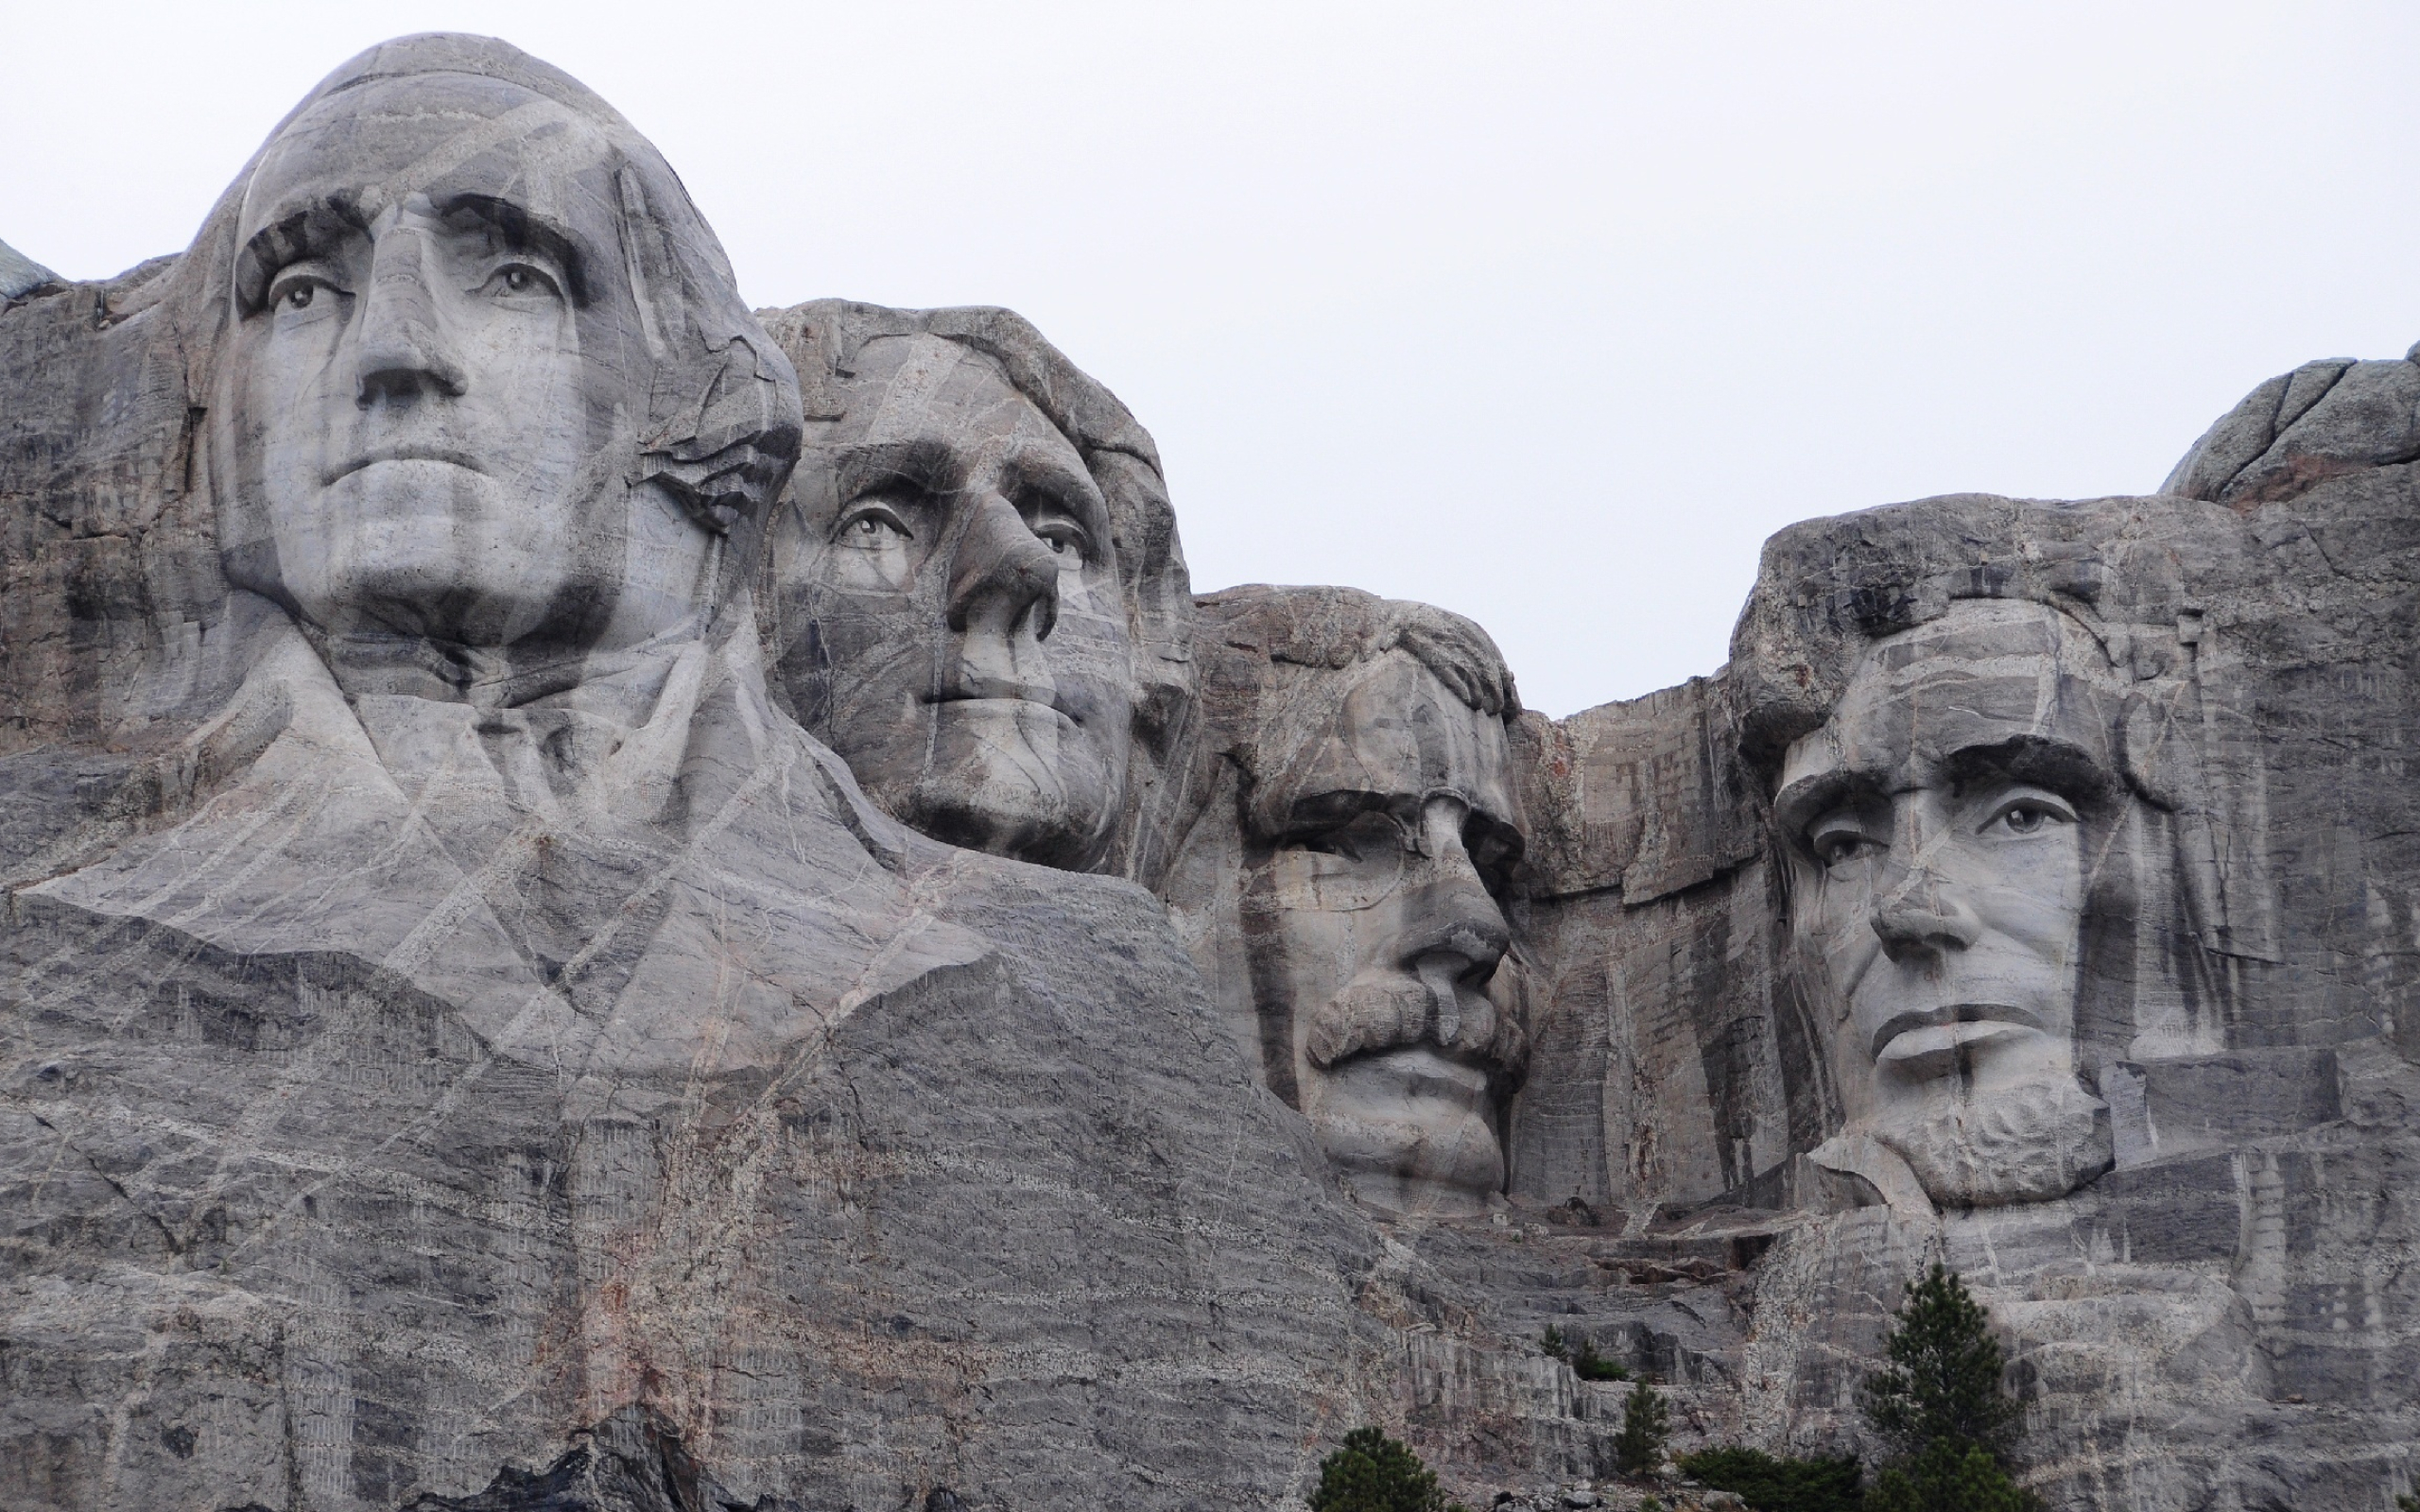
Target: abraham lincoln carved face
(1944,828)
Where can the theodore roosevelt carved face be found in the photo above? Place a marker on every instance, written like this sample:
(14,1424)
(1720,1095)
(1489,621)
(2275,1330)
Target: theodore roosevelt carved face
(1943,830)
(1373,833)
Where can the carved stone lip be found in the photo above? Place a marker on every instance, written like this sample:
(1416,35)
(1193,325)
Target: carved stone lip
(1928,1032)
(1036,696)
(404,454)
(1429,1070)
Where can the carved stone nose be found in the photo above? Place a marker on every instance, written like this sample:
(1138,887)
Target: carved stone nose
(404,351)
(1002,574)
(1920,917)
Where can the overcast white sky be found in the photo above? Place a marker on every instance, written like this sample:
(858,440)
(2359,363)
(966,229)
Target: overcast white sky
(1544,312)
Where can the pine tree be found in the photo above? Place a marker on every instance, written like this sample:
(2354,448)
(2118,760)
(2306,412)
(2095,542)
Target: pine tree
(1773,1484)
(1944,1379)
(1638,1449)
(1940,1404)
(1950,1477)
(1373,1473)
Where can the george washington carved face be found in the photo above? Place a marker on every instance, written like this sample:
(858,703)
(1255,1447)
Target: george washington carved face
(457,313)
(1942,828)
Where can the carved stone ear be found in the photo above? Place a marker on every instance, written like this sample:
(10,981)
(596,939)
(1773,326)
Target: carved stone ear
(727,458)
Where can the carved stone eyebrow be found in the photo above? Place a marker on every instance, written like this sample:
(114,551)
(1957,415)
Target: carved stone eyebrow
(1316,814)
(313,228)
(2041,761)
(1039,469)
(308,230)
(1809,799)
(924,462)
(523,229)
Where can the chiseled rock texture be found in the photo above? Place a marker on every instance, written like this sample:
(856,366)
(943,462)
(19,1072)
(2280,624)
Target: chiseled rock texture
(642,1122)
(2224,1320)
(21,275)
(1658,1071)
(582,1095)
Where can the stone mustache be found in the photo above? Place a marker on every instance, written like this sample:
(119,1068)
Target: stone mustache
(623,901)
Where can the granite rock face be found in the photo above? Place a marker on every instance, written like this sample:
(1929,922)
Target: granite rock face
(2185,1209)
(1342,885)
(615,902)
(465,1044)
(21,275)
(974,592)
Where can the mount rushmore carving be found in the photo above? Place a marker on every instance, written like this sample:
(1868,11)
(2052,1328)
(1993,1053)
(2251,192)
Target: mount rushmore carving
(616,902)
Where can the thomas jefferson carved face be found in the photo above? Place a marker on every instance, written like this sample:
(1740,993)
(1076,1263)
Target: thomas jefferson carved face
(430,407)
(955,631)
(1376,936)
(1945,824)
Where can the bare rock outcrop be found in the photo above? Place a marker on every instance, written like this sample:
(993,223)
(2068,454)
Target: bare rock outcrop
(613,904)
(463,1042)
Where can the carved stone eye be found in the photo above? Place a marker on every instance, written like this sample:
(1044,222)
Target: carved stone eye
(1066,541)
(874,524)
(300,296)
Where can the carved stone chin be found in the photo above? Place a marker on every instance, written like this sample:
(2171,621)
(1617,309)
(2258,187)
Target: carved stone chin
(644,907)
(1939,826)
(960,585)
(582,1089)
(2023,1144)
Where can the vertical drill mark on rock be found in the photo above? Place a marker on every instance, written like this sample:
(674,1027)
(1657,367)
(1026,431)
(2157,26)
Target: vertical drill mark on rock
(623,903)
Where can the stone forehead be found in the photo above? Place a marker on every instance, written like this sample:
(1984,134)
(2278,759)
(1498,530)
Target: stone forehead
(1983,673)
(906,384)
(392,137)
(1387,725)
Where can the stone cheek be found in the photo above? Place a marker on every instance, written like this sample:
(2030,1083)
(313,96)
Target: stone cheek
(972,588)
(441,1059)
(1358,847)
(464,1043)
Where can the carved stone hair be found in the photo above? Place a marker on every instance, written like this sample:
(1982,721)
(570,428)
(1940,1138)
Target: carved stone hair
(2128,574)
(826,336)
(1266,649)
(1337,628)
(718,411)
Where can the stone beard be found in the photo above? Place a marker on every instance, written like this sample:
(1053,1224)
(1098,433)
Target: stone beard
(944,587)
(1377,830)
(1944,833)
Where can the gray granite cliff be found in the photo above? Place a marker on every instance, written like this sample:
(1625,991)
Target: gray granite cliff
(617,902)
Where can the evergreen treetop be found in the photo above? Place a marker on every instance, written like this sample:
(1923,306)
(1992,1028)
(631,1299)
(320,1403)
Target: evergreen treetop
(1942,1382)
(1638,1449)
(1375,1473)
